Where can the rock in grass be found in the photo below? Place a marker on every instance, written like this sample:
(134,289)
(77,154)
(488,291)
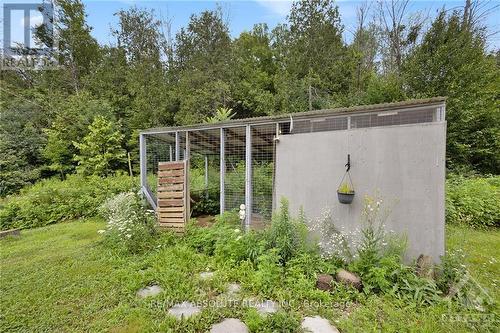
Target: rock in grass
(184,310)
(324,282)
(149,291)
(266,307)
(425,267)
(233,288)
(348,278)
(318,324)
(230,325)
(206,275)
(11,232)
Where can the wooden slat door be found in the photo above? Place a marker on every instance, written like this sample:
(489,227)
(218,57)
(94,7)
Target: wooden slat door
(173,195)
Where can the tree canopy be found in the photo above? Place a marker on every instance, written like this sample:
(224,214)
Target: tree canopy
(151,77)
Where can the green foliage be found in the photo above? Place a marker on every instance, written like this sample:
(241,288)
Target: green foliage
(73,257)
(21,141)
(473,201)
(453,61)
(100,151)
(71,124)
(52,201)
(286,234)
(145,79)
(206,198)
(129,225)
(221,114)
(345,188)
(269,273)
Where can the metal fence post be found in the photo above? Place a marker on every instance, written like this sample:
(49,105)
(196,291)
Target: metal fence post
(177,146)
(248,177)
(222,171)
(142,160)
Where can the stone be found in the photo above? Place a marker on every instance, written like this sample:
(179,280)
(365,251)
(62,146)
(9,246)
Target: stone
(233,288)
(425,267)
(184,310)
(349,279)
(149,291)
(324,282)
(230,325)
(206,275)
(318,324)
(266,307)
(11,232)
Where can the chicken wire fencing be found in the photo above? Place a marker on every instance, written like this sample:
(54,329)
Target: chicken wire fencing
(231,165)
(218,172)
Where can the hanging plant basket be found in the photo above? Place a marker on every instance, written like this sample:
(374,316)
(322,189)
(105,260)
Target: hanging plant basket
(345,191)
(345,198)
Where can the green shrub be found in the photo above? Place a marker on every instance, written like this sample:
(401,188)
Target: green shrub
(52,200)
(473,201)
(129,225)
(455,281)
(206,199)
(286,234)
(204,239)
(268,275)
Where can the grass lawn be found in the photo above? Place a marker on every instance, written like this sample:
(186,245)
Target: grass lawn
(60,278)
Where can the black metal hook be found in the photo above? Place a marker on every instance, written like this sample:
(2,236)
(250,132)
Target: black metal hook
(348,164)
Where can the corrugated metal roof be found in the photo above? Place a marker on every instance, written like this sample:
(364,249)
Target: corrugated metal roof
(305,115)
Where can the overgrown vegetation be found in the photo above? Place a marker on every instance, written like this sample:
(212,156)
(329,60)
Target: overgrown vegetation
(473,201)
(100,282)
(146,79)
(52,200)
(129,225)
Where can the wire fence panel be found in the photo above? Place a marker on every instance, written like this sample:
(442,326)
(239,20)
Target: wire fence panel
(234,179)
(159,148)
(263,146)
(205,171)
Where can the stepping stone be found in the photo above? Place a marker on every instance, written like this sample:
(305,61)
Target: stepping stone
(266,307)
(318,324)
(206,275)
(149,291)
(184,310)
(230,325)
(233,288)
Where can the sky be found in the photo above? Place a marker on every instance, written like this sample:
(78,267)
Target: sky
(241,14)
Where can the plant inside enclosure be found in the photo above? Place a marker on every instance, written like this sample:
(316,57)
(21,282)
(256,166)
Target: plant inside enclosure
(129,225)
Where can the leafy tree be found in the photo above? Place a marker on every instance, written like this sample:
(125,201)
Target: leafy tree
(452,61)
(253,70)
(202,58)
(73,116)
(100,151)
(21,138)
(314,49)
(77,51)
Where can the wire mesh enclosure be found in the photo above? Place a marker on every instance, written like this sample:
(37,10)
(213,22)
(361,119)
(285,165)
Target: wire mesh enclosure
(233,163)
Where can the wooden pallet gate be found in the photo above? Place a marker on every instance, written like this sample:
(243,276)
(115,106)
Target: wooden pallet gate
(173,195)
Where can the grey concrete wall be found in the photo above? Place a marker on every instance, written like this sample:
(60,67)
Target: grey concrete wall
(404,164)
